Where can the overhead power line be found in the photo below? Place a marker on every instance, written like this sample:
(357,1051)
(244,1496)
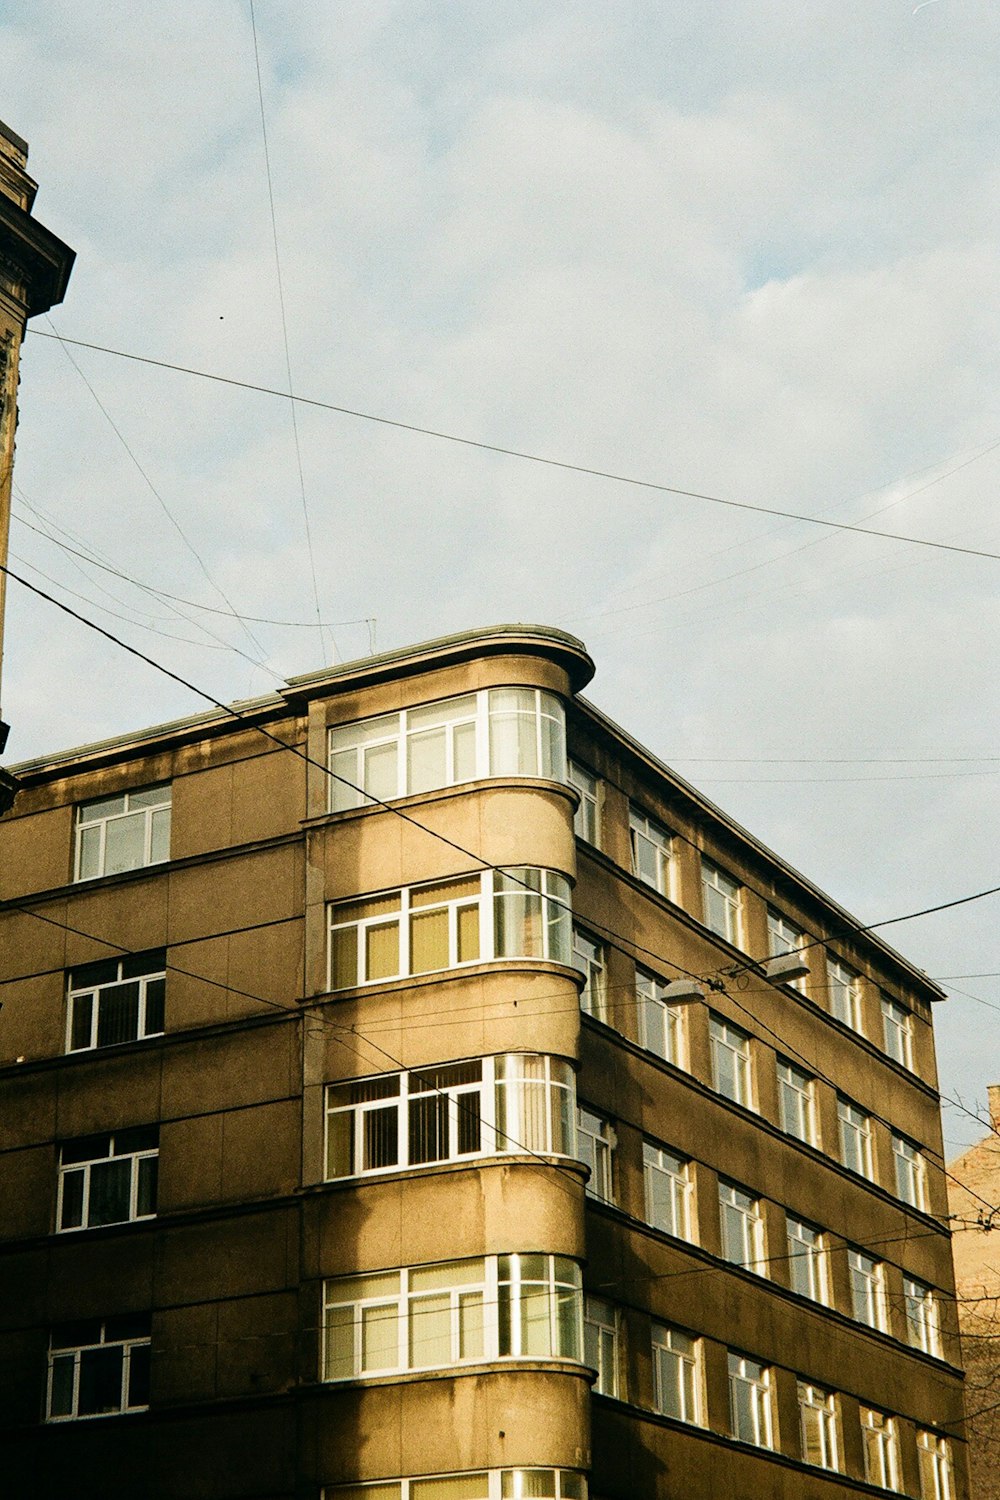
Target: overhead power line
(536,458)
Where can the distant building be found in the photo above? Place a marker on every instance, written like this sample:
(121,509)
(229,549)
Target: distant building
(34,270)
(973,1197)
(414,1090)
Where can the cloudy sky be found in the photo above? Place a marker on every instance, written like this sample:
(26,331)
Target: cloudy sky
(747,249)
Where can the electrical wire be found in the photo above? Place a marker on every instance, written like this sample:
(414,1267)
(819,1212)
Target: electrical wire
(284,331)
(254,643)
(536,458)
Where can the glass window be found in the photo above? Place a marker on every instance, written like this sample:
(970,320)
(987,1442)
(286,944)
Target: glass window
(487,1484)
(923,1316)
(676,1377)
(881,1440)
(514,913)
(720,896)
(667,1185)
(855,1138)
(484,1106)
(426,1317)
(897,1030)
(730,1048)
(116,1000)
(495,732)
(121,833)
(587,818)
(844,992)
(750,1402)
(595,1144)
(108,1179)
(911,1171)
(783,937)
(742,1227)
(868,1301)
(661,1026)
(797,1102)
(590,957)
(601,1337)
(818,1426)
(650,851)
(99,1368)
(807,1267)
(934,1459)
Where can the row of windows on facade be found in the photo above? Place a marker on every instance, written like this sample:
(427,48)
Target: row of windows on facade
(679,1392)
(527,1306)
(122,999)
(495,732)
(514,1103)
(662,1030)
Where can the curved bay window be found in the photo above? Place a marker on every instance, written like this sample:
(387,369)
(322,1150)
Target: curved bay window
(486,1484)
(522,1306)
(507,731)
(520,1102)
(514,913)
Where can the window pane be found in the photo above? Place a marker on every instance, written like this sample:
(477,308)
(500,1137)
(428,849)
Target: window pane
(146,1199)
(382,951)
(118,1014)
(72,1200)
(160,838)
(428,1128)
(381,1138)
(451,1487)
(471,1325)
(110,1190)
(429,941)
(379,1338)
(426,760)
(464,751)
(155,989)
(381,777)
(535,1332)
(430,1331)
(469,1123)
(339,1343)
(61,1399)
(138,1375)
(90,852)
(345,777)
(468,933)
(344,958)
(100,1380)
(83,1007)
(124,841)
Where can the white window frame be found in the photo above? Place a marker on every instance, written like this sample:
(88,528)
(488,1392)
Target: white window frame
(133,807)
(807,1260)
(880,1436)
(784,937)
(60,1355)
(937,1480)
(868,1298)
(544,894)
(677,1369)
(911,1172)
(650,845)
(596,1140)
(666,1179)
(478,713)
(481,1284)
(819,1426)
(118,1151)
(495,1484)
(797,1102)
(522,1102)
(732,1058)
(897,1032)
(147,971)
(587,818)
(855,1130)
(922,1308)
(844,993)
(602,1345)
(720,903)
(590,956)
(753,1378)
(661,1026)
(741,1224)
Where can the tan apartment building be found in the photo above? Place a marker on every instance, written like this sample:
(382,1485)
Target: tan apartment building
(973,1196)
(34,271)
(414,1090)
